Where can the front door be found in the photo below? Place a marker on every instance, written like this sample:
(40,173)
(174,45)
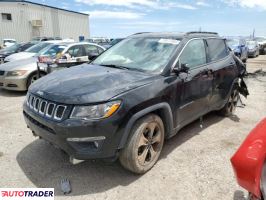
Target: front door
(197,83)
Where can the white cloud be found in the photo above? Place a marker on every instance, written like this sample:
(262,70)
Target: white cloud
(248,3)
(155,4)
(202,3)
(105,14)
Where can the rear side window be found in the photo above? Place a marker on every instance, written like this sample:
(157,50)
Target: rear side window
(217,49)
(193,54)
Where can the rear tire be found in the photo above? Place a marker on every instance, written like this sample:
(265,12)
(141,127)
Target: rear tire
(144,146)
(231,104)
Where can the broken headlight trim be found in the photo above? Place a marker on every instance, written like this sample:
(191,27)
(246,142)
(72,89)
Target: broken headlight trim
(99,111)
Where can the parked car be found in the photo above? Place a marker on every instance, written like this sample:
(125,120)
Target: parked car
(249,163)
(16,48)
(98,40)
(42,39)
(133,96)
(19,75)
(253,48)
(30,52)
(74,54)
(262,44)
(240,48)
(113,42)
(8,42)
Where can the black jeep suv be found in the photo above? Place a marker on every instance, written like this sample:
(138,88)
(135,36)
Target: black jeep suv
(133,96)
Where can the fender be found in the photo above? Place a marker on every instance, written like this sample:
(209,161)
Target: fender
(248,161)
(167,114)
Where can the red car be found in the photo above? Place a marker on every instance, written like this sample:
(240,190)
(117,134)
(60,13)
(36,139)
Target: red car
(249,162)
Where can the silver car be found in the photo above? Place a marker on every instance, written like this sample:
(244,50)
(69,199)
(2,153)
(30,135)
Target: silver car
(19,75)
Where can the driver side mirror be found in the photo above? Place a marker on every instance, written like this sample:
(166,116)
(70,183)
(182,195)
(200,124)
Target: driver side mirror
(183,68)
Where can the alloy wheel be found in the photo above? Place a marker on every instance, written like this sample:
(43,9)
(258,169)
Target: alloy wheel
(150,143)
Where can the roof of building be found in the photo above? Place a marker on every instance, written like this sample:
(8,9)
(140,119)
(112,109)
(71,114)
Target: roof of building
(39,4)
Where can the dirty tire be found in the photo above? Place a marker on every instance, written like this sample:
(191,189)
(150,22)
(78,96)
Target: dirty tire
(144,145)
(231,104)
(33,77)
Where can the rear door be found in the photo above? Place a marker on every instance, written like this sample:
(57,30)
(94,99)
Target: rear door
(224,72)
(197,84)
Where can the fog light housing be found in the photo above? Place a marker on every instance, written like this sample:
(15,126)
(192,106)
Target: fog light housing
(86,144)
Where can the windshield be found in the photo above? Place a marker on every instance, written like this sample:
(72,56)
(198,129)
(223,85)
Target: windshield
(251,43)
(115,41)
(37,47)
(144,54)
(52,50)
(12,48)
(232,43)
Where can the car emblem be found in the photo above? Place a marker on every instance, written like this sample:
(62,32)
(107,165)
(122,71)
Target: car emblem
(40,93)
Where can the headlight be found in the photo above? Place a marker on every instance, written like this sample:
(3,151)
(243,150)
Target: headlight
(16,73)
(96,111)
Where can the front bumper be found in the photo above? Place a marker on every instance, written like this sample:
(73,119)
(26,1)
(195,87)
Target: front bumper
(103,132)
(13,83)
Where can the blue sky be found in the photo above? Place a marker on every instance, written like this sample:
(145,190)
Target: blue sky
(119,18)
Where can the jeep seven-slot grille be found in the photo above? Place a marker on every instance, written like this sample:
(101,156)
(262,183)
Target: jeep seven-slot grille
(46,108)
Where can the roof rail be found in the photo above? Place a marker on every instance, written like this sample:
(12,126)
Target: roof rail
(200,32)
(140,33)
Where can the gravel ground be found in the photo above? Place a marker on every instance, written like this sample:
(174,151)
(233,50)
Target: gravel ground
(194,164)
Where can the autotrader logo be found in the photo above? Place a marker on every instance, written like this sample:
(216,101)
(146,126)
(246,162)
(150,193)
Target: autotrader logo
(27,193)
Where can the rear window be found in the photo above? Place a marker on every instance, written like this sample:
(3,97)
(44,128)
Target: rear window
(217,49)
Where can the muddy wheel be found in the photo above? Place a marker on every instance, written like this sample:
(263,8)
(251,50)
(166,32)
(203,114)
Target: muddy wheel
(33,77)
(145,145)
(230,106)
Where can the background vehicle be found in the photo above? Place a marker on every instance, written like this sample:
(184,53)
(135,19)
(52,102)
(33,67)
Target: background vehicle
(16,48)
(253,48)
(30,52)
(74,54)
(249,163)
(42,39)
(133,96)
(240,48)
(8,42)
(19,75)
(98,40)
(262,44)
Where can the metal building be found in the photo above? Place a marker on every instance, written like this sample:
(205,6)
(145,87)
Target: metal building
(23,20)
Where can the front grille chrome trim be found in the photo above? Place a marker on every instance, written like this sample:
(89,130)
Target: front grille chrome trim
(40,108)
(43,107)
(62,115)
(47,109)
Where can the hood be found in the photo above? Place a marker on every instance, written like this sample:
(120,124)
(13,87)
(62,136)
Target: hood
(88,84)
(20,64)
(19,56)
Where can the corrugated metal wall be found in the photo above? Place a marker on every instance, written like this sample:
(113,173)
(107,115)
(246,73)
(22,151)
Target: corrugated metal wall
(55,22)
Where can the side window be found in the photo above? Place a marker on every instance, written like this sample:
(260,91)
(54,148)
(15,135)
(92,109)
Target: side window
(91,49)
(194,54)
(217,49)
(76,51)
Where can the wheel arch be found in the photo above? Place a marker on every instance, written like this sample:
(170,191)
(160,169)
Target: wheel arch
(163,110)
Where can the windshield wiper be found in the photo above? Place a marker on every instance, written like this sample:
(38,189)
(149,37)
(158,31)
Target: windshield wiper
(116,66)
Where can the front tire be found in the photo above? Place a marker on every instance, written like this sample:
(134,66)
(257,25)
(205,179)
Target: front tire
(231,104)
(144,146)
(33,77)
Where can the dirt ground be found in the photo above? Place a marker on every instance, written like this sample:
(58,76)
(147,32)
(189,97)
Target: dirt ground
(194,164)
